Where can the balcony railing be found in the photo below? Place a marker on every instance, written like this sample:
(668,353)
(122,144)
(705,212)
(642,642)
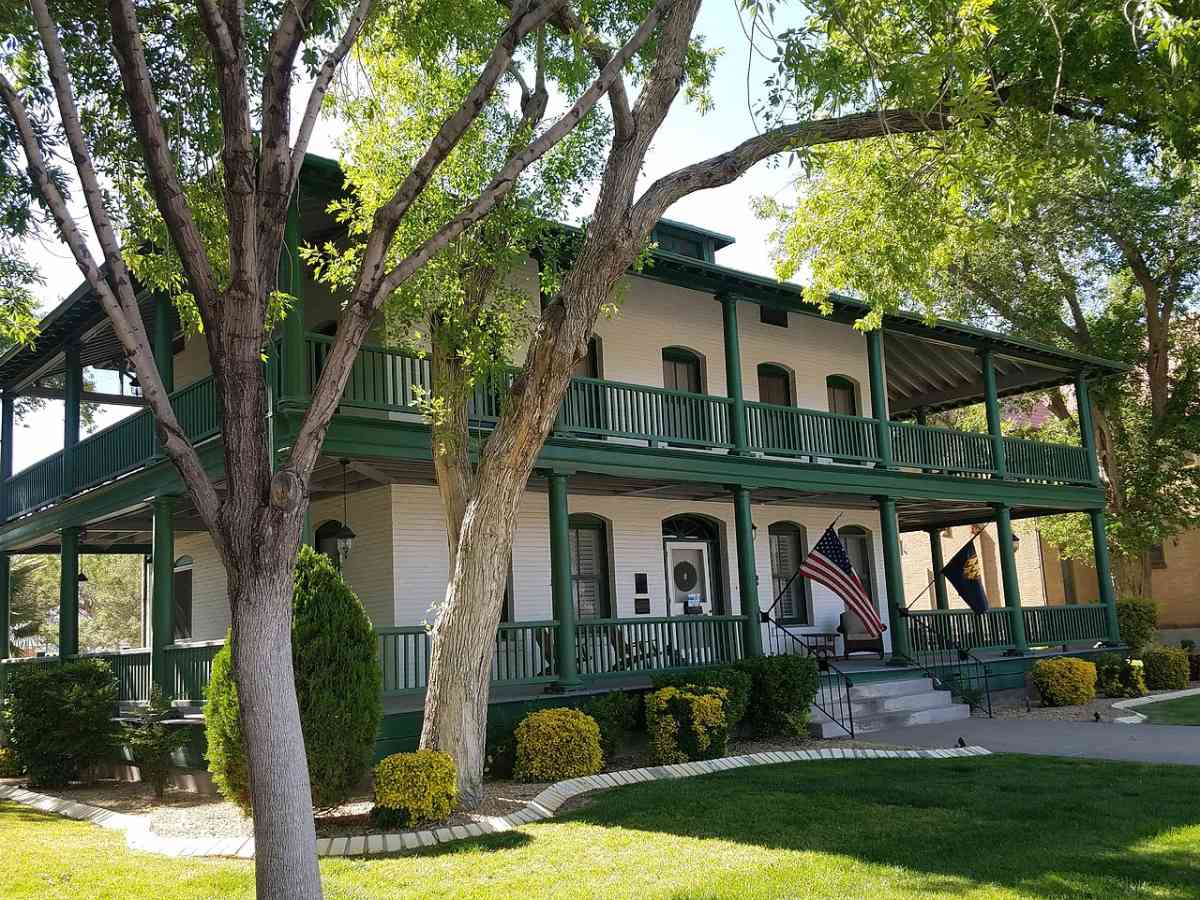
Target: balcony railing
(993,630)
(393,381)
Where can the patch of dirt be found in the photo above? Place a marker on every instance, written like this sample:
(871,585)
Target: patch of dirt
(184,814)
(1016,705)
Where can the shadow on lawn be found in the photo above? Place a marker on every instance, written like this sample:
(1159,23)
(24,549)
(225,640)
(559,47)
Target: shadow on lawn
(1042,826)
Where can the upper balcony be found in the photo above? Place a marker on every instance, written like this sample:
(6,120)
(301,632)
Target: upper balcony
(384,383)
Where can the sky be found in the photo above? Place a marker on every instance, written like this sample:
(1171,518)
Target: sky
(685,137)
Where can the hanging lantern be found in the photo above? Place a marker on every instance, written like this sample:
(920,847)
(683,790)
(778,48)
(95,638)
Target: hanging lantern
(345,534)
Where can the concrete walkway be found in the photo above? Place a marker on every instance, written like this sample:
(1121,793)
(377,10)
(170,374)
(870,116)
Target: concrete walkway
(1097,740)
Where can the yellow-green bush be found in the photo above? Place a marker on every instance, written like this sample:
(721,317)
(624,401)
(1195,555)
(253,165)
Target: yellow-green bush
(687,723)
(1166,668)
(414,788)
(1065,681)
(9,767)
(557,743)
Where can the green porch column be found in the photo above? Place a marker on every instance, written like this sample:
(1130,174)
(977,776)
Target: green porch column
(1008,576)
(162,599)
(72,395)
(747,572)
(68,593)
(164,341)
(1087,432)
(560,584)
(733,373)
(1104,574)
(939,579)
(879,408)
(295,369)
(992,404)
(6,465)
(893,580)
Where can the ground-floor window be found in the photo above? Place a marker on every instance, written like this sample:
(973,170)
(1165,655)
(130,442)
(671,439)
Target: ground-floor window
(181,590)
(588,539)
(788,546)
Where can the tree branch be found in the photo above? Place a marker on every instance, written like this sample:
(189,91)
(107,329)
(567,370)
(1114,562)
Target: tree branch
(129,328)
(160,165)
(727,167)
(356,320)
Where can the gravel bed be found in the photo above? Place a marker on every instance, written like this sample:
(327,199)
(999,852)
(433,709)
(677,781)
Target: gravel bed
(1013,705)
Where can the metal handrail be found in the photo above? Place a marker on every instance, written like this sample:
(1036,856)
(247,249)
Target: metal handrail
(833,685)
(968,670)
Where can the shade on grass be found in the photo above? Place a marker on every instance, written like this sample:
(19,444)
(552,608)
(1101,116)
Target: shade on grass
(979,828)
(1184,711)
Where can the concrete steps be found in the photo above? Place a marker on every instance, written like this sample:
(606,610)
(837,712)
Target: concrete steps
(880,705)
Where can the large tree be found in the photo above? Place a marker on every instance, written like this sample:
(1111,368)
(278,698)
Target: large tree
(179,127)
(1090,243)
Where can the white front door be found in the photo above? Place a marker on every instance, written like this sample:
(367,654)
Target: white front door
(689,578)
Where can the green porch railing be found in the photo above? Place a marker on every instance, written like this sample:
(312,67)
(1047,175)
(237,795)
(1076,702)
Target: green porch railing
(1038,461)
(525,653)
(379,379)
(961,452)
(1064,624)
(131,669)
(190,665)
(39,485)
(640,412)
(613,647)
(961,627)
(403,658)
(792,431)
(114,451)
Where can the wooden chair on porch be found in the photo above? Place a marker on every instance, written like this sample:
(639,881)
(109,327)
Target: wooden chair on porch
(856,638)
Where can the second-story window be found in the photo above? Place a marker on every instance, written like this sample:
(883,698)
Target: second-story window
(682,371)
(843,395)
(774,385)
(589,366)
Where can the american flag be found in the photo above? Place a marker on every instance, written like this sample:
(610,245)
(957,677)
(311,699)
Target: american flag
(828,564)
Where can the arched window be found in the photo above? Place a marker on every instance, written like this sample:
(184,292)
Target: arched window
(683,370)
(590,584)
(858,547)
(843,395)
(325,540)
(774,384)
(789,544)
(692,558)
(181,589)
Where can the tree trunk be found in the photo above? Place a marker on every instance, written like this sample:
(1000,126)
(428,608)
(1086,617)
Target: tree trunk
(1131,574)
(464,638)
(284,831)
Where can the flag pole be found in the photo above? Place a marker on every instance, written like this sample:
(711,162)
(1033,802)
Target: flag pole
(937,574)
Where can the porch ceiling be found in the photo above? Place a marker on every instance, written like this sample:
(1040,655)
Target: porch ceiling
(937,375)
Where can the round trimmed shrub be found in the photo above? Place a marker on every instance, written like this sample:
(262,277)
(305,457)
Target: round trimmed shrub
(1065,681)
(1137,617)
(737,682)
(1166,668)
(1117,676)
(687,723)
(60,718)
(782,689)
(336,668)
(616,715)
(414,788)
(557,743)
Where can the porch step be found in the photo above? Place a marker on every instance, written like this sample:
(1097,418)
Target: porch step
(877,706)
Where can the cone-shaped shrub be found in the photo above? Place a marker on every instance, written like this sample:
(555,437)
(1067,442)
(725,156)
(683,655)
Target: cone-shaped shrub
(337,676)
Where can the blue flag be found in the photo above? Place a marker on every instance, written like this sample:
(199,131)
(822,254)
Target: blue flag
(966,574)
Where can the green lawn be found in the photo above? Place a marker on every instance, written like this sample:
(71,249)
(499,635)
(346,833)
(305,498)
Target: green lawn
(985,827)
(1184,711)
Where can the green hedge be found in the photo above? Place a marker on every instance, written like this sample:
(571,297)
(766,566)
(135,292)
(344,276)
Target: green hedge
(782,689)
(59,717)
(1137,618)
(1166,668)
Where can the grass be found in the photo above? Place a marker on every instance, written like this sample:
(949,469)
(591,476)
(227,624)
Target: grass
(1184,711)
(997,827)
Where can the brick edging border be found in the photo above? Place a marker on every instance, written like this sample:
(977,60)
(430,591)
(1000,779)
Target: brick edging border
(1137,718)
(140,836)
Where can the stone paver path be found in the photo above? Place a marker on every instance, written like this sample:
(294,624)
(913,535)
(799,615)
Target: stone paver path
(139,836)
(1042,737)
